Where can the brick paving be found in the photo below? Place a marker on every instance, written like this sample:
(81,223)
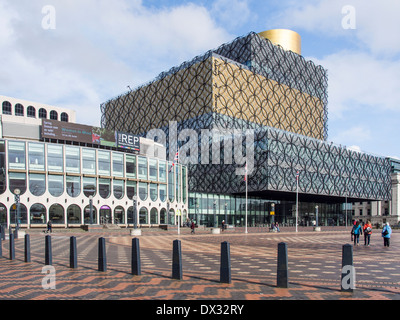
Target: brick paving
(314,261)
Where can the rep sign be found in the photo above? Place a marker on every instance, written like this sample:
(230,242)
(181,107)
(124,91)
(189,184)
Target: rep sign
(128,141)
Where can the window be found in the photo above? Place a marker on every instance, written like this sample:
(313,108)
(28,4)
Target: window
(31,112)
(73,186)
(64,117)
(89,186)
(104,188)
(153,216)
(89,161)
(16,155)
(143,215)
(143,191)
(7,107)
(56,185)
(3,180)
(42,113)
(37,214)
(153,192)
(56,214)
(118,188)
(74,214)
(130,166)
(119,215)
(55,158)
(17,180)
(171,194)
(19,110)
(3,214)
(36,156)
(118,164)
(72,159)
(163,192)
(103,158)
(53,115)
(153,170)
(87,215)
(162,171)
(37,184)
(130,189)
(142,168)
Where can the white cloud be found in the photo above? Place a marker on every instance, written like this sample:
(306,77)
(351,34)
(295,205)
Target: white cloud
(97,49)
(232,13)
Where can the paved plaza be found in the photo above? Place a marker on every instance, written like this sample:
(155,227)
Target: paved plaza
(314,262)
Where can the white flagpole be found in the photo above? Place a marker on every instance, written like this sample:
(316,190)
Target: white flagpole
(297,198)
(246,198)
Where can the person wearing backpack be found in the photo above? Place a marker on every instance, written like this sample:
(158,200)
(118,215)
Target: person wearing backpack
(386,232)
(367,233)
(357,231)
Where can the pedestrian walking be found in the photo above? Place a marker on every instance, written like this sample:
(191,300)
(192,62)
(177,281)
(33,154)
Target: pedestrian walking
(49,225)
(193,227)
(367,233)
(386,232)
(223,225)
(356,232)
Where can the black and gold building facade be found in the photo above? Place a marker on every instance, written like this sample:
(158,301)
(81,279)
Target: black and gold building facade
(250,83)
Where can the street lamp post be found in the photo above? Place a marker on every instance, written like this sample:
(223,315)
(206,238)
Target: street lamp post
(135,222)
(272,214)
(226,214)
(317,227)
(215,214)
(17,193)
(91,208)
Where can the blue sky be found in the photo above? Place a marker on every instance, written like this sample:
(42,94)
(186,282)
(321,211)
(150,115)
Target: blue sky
(96,48)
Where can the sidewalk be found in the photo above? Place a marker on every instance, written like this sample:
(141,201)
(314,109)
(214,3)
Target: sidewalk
(314,267)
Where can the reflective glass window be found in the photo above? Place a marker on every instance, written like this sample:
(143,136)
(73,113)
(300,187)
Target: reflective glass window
(153,169)
(88,161)
(163,192)
(130,189)
(17,180)
(104,188)
(89,186)
(31,112)
(42,113)
(7,107)
(118,164)
(142,168)
(118,188)
(87,214)
(74,214)
(16,155)
(104,166)
(153,216)
(143,215)
(162,171)
(73,186)
(23,214)
(55,158)
(72,159)
(171,193)
(153,192)
(56,214)
(119,215)
(143,193)
(56,185)
(37,184)
(19,110)
(3,214)
(36,156)
(130,166)
(37,214)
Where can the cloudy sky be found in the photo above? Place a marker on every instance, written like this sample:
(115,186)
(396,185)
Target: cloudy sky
(78,54)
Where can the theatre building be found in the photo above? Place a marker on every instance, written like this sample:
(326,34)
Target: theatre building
(71,173)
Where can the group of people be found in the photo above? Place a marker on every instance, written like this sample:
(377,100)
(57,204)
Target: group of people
(358,229)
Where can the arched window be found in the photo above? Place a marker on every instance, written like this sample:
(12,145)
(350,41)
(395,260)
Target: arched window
(56,213)
(31,112)
(6,107)
(53,115)
(19,110)
(3,214)
(153,216)
(163,216)
(42,113)
(143,213)
(87,215)
(37,184)
(37,214)
(119,215)
(64,117)
(22,214)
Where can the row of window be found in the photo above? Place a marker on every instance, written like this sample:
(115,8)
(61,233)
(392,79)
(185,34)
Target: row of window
(76,215)
(19,110)
(103,171)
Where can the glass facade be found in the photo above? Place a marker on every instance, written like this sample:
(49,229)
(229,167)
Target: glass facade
(57,182)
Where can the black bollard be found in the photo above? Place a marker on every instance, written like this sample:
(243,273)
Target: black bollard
(12,248)
(73,260)
(27,248)
(102,260)
(225,269)
(177,260)
(348,277)
(282,270)
(135,260)
(48,256)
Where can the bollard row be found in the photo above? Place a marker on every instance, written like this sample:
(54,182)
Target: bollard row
(282,280)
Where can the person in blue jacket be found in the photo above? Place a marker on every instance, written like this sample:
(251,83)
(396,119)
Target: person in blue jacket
(357,230)
(386,232)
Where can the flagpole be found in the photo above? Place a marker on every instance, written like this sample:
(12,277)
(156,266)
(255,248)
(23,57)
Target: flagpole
(297,198)
(245,230)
